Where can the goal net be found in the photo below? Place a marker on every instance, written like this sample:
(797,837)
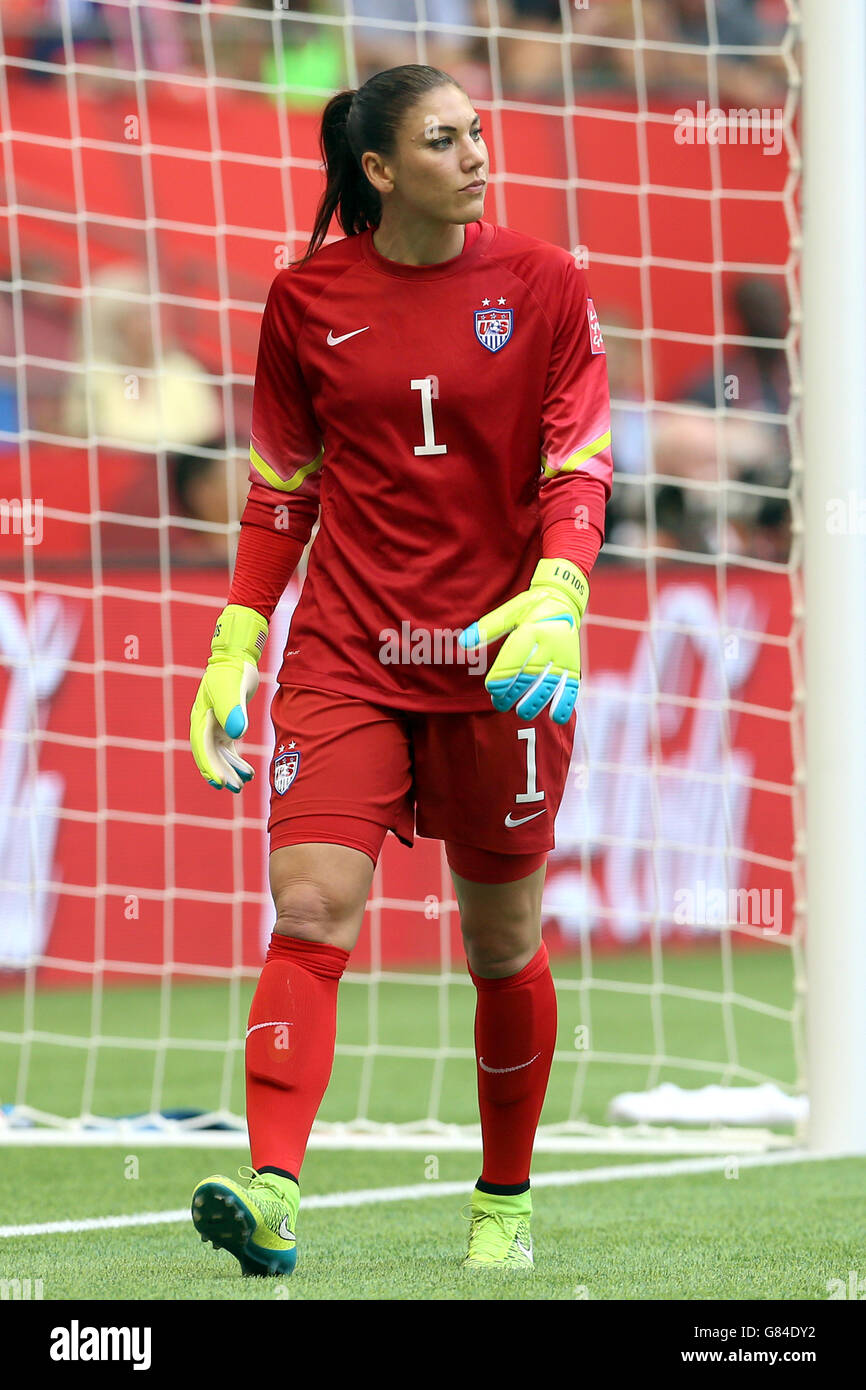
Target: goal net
(160,164)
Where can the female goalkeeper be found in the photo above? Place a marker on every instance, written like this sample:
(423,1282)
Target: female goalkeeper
(434,387)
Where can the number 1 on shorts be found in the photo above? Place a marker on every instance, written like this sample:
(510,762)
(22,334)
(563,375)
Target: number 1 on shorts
(532,793)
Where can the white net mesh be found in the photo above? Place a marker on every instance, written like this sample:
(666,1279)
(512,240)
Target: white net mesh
(160,163)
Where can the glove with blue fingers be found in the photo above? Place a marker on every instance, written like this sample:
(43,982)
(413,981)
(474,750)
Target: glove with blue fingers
(219,715)
(539,664)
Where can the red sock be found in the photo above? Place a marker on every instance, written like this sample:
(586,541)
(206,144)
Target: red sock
(290,1047)
(515,1037)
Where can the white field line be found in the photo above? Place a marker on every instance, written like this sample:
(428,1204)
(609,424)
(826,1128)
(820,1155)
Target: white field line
(362,1197)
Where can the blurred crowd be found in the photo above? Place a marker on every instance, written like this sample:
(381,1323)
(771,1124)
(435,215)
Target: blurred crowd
(117,370)
(706,471)
(514,53)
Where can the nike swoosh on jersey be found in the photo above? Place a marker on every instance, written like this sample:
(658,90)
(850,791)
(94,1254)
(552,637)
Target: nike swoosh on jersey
(512,823)
(500,1071)
(332,341)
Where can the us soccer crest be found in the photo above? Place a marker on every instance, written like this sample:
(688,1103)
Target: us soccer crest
(285,771)
(493,327)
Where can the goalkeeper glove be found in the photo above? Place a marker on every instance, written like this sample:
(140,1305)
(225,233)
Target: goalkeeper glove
(540,661)
(219,715)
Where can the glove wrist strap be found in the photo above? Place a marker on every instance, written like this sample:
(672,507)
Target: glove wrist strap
(240,630)
(565,576)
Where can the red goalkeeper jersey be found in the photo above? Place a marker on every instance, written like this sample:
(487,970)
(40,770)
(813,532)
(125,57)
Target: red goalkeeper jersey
(440,417)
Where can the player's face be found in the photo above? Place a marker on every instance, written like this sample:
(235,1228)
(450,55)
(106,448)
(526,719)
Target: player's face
(440,152)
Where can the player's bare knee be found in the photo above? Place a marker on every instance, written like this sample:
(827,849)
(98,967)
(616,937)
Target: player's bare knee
(494,963)
(311,910)
(498,948)
(320,892)
(505,929)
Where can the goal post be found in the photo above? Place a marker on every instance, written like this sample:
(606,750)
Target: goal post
(834,373)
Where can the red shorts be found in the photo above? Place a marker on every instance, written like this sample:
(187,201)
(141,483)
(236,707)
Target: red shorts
(487,781)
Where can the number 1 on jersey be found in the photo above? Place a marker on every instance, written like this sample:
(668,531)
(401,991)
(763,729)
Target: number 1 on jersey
(424,384)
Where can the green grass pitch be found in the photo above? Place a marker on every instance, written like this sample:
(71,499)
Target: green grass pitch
(778,1232)
(770,1233)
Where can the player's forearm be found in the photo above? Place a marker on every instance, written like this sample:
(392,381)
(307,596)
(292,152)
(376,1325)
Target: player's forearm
(573,521)
(266,560)
(290,514)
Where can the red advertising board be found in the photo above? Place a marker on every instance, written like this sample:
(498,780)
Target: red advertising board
(678,816)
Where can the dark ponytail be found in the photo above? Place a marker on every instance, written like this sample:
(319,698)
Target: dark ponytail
(353,122)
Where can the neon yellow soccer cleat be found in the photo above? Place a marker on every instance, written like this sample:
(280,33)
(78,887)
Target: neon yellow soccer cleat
(255,1223)
(499,1231)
